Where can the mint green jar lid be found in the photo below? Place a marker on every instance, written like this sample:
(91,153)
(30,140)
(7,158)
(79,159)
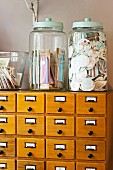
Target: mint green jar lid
(48,23)
(87,23)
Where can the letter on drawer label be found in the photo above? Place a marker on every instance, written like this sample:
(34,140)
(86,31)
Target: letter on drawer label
(60,98)
(3,120)
(90,168)
(90,99)
(30,167)
(30,98)
(30,120)
(60,121)
(60,168)
(90,122)
(90,147)
(30,145)
(3,144)
(60,147)
(3,165)
(3,98)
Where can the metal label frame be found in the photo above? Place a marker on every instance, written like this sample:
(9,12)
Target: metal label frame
(28,143)
(91,99)
(3,167)
(29,121)
(87,168)
(90,124)
(59,123)
(58,148)
(28,168)
(30,100)
(5,98)
(60,168)
(4,146)
(90,149)
(3,121)
(59,98)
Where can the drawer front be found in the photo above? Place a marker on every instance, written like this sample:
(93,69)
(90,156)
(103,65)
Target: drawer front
(30,102)
(60,103)
(90,166)
(7,147)
(90,127)
(90,150)
(91,103)
(55,165)
(28,164)
(30,125)
(60,149)
(8,164)
(7,124)
(7,102)
(59,126)
(30,147)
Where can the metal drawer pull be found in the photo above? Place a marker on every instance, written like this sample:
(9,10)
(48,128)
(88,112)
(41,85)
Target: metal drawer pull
(59,132)
(90,133)
(29,109)
(29,154)
(30,130)
(59,109)
(90,109)
(59,155)
(1,130)
(90,156)
(1,107)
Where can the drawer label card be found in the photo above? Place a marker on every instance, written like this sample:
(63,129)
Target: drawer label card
(91,122)
(90,168)
(30,120)
(60,98)
(3,98)
(30,167)
(3,144)
(3,120)
(91,147)
(30,98)
(30,145)
(60,168)
(3,166)
(60,121)
(90,99)
(60,147)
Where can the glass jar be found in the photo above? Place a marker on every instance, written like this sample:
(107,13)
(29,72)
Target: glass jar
(47,66)
(87,57)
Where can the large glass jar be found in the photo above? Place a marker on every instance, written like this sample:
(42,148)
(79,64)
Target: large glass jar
(47,67)
(87,57)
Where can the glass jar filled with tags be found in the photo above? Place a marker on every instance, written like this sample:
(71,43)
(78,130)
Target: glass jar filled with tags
(87,57)
(47,65)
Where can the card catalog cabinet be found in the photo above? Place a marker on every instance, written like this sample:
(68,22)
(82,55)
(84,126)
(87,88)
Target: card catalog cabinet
(56,130)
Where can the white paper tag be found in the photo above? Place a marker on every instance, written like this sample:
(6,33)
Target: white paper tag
(91,99)
(3,98)
(60,121)
(30,145)
(60,147)
(60,98)
(30,120)
(90,147)
(32,167)
(3,120)
(90,168)
(30,98)
(60,168)
(3,144)
(3,165)
(90,122)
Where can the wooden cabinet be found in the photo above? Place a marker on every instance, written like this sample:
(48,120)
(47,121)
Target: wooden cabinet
(56,130)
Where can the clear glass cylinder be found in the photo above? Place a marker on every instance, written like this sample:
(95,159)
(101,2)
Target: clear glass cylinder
(47,65)
(87,57)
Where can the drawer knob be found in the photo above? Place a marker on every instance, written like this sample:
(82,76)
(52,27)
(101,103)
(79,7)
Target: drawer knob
(90,109)
(1,130)
(59,155)
(30,130)
(1,152)
(59,109)
(90,156)
(29,109)
(59,132)
(29,154)
(1,107)
(90,133)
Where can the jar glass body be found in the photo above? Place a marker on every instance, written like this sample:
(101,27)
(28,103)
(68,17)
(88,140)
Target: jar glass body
(87,58)
(47,66)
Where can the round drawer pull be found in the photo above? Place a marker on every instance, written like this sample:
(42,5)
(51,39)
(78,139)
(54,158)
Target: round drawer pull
(29,154)
(59,155)
(1,130)
(90,109)
(90,156)
(1,152)
(90,133)
(59,109)
(1,107)
(29,109)
(59,132)
(30,130)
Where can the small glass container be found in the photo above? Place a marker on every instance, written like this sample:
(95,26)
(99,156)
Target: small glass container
(87,57)
(12,65)
(47,60)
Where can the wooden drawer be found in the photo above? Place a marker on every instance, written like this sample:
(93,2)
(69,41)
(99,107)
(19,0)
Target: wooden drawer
(30,147)
(7,147)
(91,103)
(90,166)
(60,103)
(7,124)
(55,165)
(59,126)
(90,127)
(30,102)
(30,164)
(7,102)
(90,150)
(30,125)
(60,149)
(8,164)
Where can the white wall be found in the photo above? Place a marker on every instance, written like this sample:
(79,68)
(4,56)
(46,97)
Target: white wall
(16,22)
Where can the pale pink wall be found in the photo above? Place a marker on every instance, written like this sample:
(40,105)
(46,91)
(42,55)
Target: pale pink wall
(16,22)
